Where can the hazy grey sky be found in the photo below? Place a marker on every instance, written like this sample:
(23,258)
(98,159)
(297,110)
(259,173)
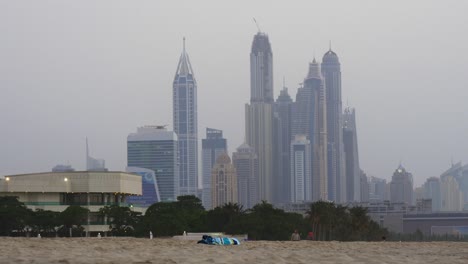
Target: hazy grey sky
(71,69)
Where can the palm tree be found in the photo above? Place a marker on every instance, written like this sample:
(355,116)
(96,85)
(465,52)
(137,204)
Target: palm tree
(321,216)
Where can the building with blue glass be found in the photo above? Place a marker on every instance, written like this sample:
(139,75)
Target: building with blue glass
(309,119)
(212,147)
(301,169)
(259,113)
(149,187)
(185,124)
(337,185)
(155,148)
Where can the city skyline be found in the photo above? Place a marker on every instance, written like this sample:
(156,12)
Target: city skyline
(382,92)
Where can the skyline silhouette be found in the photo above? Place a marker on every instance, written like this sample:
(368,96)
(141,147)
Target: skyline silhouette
(103,71)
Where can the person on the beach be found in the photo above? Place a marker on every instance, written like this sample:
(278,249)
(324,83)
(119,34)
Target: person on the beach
(295,236)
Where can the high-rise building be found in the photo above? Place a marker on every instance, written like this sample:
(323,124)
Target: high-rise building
(431,190)
(245,161)
(212,147)
(309,118)
(185,123)
(301,170)
(331,71)
(349,189)
(281,147)
(259,113)
(155,148)
(223,182)
(261,70)
(401,186)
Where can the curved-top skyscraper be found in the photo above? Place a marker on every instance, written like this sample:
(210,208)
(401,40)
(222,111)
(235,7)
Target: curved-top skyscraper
(331,71)
(185,124)
(259,113)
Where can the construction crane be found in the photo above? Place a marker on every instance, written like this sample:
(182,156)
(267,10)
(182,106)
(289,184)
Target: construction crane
(256,23)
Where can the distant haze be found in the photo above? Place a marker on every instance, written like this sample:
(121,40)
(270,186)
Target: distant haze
(71,69)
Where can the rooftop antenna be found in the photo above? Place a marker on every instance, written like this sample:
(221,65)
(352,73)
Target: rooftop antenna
(329,45)
(183,45)
(284,82)
(256,23)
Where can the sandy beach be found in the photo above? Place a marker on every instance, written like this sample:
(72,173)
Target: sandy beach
(137,250)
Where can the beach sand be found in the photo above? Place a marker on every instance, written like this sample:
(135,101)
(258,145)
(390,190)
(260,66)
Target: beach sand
(139,250)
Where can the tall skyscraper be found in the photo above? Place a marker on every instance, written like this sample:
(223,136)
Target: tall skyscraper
(261,70)
(259,113)
(212,147)
(309,118)
(331,71)
(186,124)
(155,148)
(281,147)
(401,187)
(351,186)
(246,162)
(301,170)
(224,182)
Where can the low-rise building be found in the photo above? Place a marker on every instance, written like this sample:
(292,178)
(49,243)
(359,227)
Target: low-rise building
(55,191)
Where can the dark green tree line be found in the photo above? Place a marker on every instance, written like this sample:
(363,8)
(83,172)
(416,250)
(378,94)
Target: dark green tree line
(262,222)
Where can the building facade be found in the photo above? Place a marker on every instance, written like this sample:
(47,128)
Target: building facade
(212,147)
(331,71)
(245,161)
(155,148)
(149,187)
(350,186)
(259,113)
(185,124)
(377,190)
(309,118)
(460,173)
(281,147)
(450,194)
(56,191)
(223,182)
(431,190)
(301,170)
